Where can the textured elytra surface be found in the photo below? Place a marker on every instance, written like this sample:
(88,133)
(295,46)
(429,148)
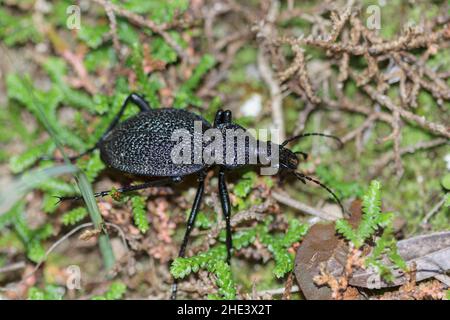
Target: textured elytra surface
(143,144)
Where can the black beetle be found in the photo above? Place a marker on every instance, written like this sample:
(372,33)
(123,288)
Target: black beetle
(143,145)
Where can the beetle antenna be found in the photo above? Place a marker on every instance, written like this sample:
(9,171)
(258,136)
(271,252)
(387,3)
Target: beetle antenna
(302,178)
(312,134)
(303,154)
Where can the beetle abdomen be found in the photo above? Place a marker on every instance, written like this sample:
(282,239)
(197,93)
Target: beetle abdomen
(143,144)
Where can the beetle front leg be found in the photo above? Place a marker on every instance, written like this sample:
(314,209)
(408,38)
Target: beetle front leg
(190,225)
(226,210)
(132,98)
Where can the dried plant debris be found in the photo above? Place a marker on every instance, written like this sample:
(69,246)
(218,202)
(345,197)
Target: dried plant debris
(320,246)
(429,253)
(320,259)
(327,267)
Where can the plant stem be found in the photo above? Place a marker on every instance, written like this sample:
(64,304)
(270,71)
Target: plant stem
(94,213)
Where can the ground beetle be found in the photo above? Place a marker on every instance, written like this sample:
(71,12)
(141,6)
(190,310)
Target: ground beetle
(142,145)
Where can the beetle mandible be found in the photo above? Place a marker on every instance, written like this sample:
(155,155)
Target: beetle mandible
(143,144)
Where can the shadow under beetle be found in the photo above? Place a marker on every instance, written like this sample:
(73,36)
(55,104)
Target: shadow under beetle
(142,145)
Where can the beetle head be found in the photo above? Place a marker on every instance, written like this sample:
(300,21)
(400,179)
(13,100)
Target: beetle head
(289,162)
(288,159)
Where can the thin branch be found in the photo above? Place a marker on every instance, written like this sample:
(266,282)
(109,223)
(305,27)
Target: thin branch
(434,210)
(276,291)
(13,267)
(388,157)
(275,94)
(256,213)
(419,120)
(290,202)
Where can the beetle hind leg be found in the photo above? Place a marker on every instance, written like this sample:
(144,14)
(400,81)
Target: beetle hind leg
(149,184)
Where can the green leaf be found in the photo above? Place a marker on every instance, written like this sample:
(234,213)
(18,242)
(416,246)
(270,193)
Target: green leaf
(17,30)
(17,90)
(50,203)
(224,279)
(181,267)
(25,160)
(243,239)
(372,200)
(159,11)
(344,228)
(35,250)
(139,213)
(446,181)
(164,11)
(101,58)
(185,95)
(202,221)
(92,167)
(115,292)
(372,217)
(36,294)
(205,64)
(245,184)
(148,87)
(57,187)
(57,70)
(213,260)
(50,292)
(372,220)
(284,261)
(127,33)
(92,35)
(294,234)
(74,216)
(160,50)
(21,89)
(31,238)
(10,216)
(136,6)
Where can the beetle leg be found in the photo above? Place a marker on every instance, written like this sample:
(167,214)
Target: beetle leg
(190,224)
(127,189)
(133,98)
(226,209)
